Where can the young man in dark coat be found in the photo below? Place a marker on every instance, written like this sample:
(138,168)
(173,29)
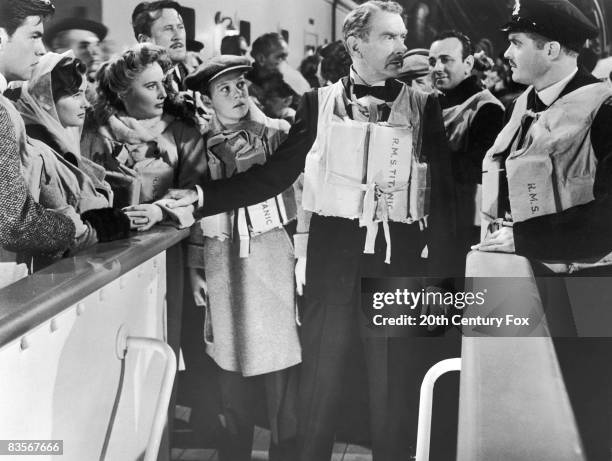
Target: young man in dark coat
(25,226)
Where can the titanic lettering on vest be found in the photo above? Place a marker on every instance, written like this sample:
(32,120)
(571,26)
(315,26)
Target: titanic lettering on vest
(532,190)
(358,169)
(393,165)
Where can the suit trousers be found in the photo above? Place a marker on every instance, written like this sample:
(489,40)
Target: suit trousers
(331,334)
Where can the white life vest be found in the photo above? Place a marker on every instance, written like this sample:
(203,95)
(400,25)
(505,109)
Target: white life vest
(457,122)
(554,169)
(368,171)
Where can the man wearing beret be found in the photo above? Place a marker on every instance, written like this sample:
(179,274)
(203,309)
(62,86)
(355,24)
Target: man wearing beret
(82,36)
(415,71)
(334,328)
(472,118)
(547,186)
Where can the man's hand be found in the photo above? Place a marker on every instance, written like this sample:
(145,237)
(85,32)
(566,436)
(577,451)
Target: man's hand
(500,241)
(181,197)
(143,216)
(300,275)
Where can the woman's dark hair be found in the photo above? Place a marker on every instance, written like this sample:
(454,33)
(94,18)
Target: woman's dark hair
(67,77)
(308,69)
(336,61)
(275,85)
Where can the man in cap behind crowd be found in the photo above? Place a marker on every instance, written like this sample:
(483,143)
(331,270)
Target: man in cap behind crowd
(25,226)
(82,36)
(193,59)
(553,198)
(234,44)
(415,71)
(472,118)
(332,122)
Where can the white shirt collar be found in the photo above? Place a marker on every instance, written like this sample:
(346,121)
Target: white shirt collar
(550,94)
(3,84)
(356,79)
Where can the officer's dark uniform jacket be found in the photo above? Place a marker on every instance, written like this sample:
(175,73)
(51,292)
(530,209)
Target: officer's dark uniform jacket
(581,231)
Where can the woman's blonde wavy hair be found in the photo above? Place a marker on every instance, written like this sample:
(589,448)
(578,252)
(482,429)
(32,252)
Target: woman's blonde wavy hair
(115,77)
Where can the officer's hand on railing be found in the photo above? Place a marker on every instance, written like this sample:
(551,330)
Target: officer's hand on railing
(181,197)
(433,308)
(300,275)
(500,241)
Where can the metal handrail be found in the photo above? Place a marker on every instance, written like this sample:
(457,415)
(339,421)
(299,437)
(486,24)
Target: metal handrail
(426,403)
(161,408)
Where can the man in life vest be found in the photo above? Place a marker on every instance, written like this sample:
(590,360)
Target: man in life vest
(369,184)
(473,117)
(547,186)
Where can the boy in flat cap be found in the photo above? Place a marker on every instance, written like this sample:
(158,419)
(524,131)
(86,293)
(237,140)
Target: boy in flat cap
(241,268)
(553,198)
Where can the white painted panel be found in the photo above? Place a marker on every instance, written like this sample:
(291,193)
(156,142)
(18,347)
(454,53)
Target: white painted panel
(64,383)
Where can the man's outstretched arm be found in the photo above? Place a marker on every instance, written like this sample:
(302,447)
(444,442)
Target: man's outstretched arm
(261,182)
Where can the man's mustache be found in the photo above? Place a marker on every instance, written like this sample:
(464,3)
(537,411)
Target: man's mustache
(395,58)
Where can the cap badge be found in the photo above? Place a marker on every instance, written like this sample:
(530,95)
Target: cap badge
(517,8)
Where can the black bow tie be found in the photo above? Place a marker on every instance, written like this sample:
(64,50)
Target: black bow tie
(380,92)
(534,102)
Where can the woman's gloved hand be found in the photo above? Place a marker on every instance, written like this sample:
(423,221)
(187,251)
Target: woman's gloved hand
(109,223)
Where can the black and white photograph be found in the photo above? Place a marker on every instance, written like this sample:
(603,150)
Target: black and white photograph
(306,230)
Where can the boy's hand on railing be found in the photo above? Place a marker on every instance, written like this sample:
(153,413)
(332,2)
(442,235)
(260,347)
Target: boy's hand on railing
(144,216)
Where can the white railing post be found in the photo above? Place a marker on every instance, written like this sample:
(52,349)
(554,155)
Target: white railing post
(161,409)
(426,403)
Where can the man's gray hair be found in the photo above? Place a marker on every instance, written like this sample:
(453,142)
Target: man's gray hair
(357,22)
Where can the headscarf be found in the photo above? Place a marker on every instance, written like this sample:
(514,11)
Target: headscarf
(37,107)
(82,181)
